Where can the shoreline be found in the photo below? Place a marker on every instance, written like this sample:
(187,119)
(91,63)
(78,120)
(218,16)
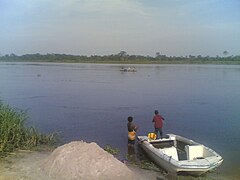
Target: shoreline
(26,165)
(169,62)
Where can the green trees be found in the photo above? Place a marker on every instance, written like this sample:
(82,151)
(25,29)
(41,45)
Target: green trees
(225,53)
(121,57)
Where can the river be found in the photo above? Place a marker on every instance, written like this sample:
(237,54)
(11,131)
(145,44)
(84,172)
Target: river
(91,102)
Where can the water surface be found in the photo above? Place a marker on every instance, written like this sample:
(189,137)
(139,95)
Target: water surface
(91,102)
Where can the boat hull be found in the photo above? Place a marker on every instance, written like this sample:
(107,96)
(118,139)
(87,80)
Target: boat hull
(195,167)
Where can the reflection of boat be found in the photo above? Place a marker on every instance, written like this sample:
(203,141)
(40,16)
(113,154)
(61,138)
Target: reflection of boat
(128,69)
(180,155)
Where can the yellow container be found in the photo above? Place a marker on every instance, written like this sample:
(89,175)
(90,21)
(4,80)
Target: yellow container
(152,136)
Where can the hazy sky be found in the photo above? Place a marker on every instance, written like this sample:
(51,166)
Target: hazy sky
(103,27)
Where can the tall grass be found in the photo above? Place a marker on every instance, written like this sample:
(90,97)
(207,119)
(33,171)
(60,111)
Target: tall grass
(15,135)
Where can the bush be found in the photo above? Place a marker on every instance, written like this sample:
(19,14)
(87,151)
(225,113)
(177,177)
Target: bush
(111,150)
(13,133)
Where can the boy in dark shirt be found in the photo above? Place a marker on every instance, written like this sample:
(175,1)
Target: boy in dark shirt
(132,128)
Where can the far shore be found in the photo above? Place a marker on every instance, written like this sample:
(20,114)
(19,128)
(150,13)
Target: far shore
(197,62)
(123,58)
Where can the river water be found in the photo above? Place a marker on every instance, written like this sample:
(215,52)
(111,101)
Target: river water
(91,102)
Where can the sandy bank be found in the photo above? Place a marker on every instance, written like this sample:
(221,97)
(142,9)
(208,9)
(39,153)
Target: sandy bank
(79,160)
(76,160)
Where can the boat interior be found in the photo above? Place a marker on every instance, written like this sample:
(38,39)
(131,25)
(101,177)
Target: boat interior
(181,150)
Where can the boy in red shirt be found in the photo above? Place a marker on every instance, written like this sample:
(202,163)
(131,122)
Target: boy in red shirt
(158,123)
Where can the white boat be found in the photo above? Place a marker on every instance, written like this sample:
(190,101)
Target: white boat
(177,154)
(128,69)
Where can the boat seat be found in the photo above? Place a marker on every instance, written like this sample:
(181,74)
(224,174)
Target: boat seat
(171,152)
(194,151)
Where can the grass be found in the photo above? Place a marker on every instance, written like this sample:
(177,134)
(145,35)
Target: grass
(14,135)
(111,150)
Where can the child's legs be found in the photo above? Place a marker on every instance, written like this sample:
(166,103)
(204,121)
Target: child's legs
(156,132)
(160,132)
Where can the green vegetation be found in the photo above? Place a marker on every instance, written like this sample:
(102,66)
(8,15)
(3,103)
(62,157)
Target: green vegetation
(149,166)
(111,150)
(123,58)
(195,178)
(14,135)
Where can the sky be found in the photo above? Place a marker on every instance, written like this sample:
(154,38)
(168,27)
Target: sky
(104,27)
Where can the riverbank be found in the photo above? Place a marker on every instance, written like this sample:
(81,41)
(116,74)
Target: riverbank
(70,161)
(78,160)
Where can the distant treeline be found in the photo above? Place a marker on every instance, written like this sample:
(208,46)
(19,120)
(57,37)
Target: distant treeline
(122,57)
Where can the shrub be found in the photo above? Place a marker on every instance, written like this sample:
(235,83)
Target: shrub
(15,135)
(111,150)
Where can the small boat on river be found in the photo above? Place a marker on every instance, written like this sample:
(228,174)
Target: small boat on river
(128,69)
(177,154)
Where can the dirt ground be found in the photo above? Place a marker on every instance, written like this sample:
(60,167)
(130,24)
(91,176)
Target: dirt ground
(76,160)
